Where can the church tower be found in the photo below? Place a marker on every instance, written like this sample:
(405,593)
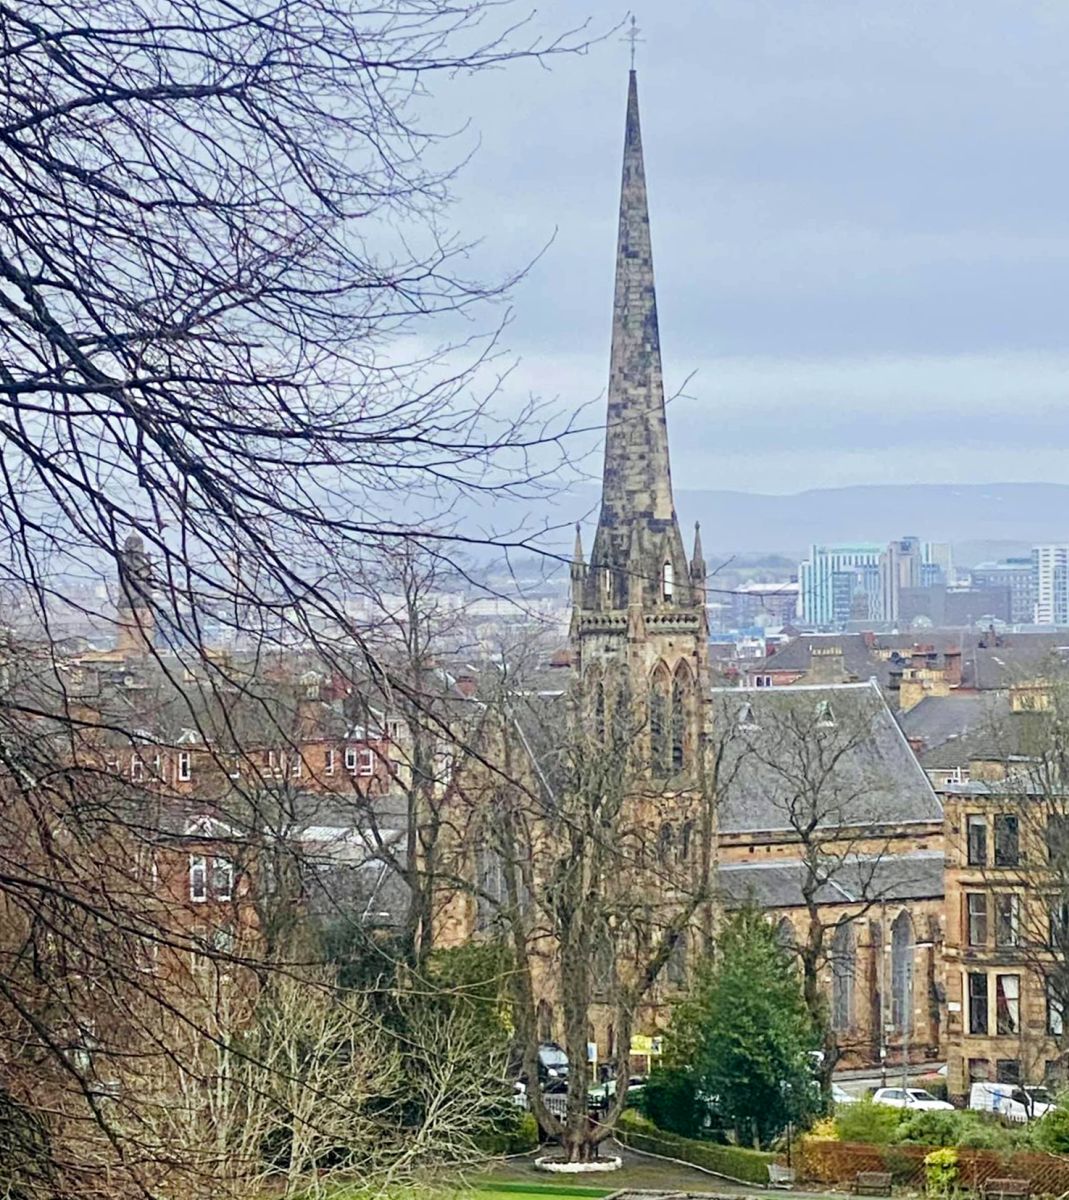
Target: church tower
(639,619)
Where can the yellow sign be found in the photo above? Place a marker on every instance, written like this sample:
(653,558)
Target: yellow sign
(642,1043)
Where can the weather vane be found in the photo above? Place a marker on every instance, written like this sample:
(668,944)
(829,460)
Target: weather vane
(632,37)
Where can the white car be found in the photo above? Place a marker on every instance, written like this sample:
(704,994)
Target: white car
(913,1098)
(840,1095)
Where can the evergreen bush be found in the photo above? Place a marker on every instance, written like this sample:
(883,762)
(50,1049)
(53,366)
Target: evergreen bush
(867,1122)
(670,1100)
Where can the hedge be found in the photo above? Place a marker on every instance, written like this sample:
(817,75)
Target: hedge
(736,1162)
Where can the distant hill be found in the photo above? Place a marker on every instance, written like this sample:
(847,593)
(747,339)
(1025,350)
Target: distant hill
(981,520)
(984,520)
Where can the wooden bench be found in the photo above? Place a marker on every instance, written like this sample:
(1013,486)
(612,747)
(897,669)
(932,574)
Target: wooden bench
(1019,1189)
(872,1183)
(780,1176)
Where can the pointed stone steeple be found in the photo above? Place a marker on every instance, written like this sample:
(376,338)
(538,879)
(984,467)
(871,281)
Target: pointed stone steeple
(639,629)
(637,482)
(578,567)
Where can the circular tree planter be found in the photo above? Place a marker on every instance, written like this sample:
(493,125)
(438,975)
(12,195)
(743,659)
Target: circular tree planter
(558,1166)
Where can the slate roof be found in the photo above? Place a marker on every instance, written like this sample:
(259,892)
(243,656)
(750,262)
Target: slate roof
(778,884)
(938,719)
(774,743)
(988,662)
(796,655)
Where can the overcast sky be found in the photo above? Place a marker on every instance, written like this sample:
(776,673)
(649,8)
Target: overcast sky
(860,221)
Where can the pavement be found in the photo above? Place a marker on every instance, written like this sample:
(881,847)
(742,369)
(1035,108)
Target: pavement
(860,1083)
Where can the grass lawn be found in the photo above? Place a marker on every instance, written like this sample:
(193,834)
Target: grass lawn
(518,1179)
(504,1190)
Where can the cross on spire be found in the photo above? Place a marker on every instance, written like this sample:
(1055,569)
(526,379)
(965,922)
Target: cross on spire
(633,38)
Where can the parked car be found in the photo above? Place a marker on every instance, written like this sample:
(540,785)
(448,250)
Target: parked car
(914,1098)
(1010,1101)
(840,1095)
(552,1067)
(636,1085)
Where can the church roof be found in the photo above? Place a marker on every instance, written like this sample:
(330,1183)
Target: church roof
(778,884)
(834,751)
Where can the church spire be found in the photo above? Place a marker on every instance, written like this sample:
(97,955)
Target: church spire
(637,481)
(637,533)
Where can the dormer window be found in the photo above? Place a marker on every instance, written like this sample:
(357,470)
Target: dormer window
(667,581)
(745,717)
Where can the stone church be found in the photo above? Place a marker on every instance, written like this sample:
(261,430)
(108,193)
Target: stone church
(812,803)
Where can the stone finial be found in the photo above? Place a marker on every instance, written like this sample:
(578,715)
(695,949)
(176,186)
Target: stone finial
(697,559)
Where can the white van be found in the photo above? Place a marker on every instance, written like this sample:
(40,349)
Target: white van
(1011,1101)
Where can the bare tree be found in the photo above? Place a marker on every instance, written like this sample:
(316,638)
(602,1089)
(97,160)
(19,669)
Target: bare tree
(570,865)
(220,237)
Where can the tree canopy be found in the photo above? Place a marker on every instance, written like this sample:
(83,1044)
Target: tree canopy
(745,1033)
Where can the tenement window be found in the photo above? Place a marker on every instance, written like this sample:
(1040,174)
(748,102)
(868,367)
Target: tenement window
(1006,840)
(1007,1003)
(976,918)
(1006,922)
(1055,1012)
(978,1002)
(1008,1070)
(976,826)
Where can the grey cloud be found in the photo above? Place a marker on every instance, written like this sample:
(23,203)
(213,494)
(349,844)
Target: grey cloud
(852,185)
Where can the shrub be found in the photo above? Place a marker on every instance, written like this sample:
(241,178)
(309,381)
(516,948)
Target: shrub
(736,1162)
(670,1100)
(516,1134)
(929,1128)
(966,1129)
(1051,1132)
(941,1171)
(867,1122)
(824,1130)
(980,1132)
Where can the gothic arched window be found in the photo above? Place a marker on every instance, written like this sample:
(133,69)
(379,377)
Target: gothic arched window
(686,834)
(664,843)
(680,699)
(667,581)
(659,724)
(676,966)
(902,948)
(842,977)
(599,712)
